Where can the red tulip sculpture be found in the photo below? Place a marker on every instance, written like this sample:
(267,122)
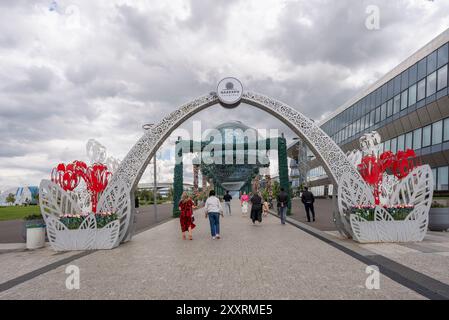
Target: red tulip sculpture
(65,176)
(97,178)
(372,168)
(404,163)
(69,176)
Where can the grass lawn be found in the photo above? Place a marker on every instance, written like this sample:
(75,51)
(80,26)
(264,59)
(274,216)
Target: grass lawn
(17,213)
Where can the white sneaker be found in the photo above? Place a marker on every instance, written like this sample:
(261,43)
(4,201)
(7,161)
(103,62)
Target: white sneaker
(218,236)
(213,238)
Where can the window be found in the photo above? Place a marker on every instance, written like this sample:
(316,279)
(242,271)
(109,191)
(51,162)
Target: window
(412,74)
(393,145)
(389,108)
(442,55)
(391,89)
(404,80)
(432,62)
(421,92)
(443,183)
(442,78)
(426,136)
(387,145)
(404,100)
(377,115)
(371,118)
(409,140)
(383,112)
(397,104)
(401,143)
(437,132)
(412,95)
(446,130)
(422,69)
(417,135)
(431,84)
(397,84)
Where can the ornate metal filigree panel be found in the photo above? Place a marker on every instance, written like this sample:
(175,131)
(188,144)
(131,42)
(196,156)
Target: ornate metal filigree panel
(132,167)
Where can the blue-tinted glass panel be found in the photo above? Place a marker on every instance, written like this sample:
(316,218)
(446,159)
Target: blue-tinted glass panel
(437,132)
(372,118)
(404,100)
(422,69)
(443,55)
(378,97)
(390,89)
(426,136)
(412,74)
(421,91)
(383,112)
(378,115)
(442,78)
(431,62)
(446,129)
(401,142)
(384,93)
(397,85)
(387,145)
(397,104)
(443,176)
(409,140)
(417,138)
(394,146)
(412,95)
(404,80)
(389,108)
(431,84)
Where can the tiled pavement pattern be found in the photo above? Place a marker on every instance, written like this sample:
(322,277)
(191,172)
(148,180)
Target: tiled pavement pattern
(430,257)
(270,261)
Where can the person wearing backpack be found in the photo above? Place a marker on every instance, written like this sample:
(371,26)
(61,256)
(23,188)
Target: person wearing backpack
(282,204)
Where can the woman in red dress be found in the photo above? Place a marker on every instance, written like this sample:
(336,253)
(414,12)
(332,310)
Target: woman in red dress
(186,207)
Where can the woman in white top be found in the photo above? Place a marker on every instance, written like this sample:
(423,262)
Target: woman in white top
(213,211)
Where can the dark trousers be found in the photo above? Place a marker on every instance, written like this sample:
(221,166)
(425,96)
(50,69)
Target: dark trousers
(309,207)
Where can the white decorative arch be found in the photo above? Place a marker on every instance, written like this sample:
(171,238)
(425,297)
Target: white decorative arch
(133,166)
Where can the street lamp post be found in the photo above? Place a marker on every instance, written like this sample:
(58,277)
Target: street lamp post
(147,127)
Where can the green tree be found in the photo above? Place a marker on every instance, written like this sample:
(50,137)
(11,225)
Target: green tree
(10,198)
(276,189)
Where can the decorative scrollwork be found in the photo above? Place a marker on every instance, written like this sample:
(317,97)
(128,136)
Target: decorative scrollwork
(132,167)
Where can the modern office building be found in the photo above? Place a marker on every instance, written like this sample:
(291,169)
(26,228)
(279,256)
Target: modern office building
(409,107)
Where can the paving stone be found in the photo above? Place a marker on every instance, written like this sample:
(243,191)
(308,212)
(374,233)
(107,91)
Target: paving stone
(270,261)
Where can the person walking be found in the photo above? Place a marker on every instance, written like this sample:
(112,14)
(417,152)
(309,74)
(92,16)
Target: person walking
(186,218)
(213,211)
(282,204)
(227,202)
(244,199)
(308,199)
(256,208)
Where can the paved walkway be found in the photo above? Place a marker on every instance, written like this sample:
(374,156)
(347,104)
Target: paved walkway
(269,261)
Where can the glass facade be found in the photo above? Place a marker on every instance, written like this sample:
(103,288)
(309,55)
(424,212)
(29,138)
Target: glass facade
(420,82)
(431,135)
(409,96)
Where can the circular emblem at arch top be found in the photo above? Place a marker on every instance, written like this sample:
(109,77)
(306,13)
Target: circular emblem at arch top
(229,92)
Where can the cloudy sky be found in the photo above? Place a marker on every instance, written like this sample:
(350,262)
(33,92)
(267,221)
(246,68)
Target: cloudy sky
(74,70)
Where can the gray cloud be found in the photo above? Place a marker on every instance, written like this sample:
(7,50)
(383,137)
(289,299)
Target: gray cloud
(126,65)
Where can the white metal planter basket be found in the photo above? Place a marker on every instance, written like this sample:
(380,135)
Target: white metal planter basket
(416,189)
(54,202)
